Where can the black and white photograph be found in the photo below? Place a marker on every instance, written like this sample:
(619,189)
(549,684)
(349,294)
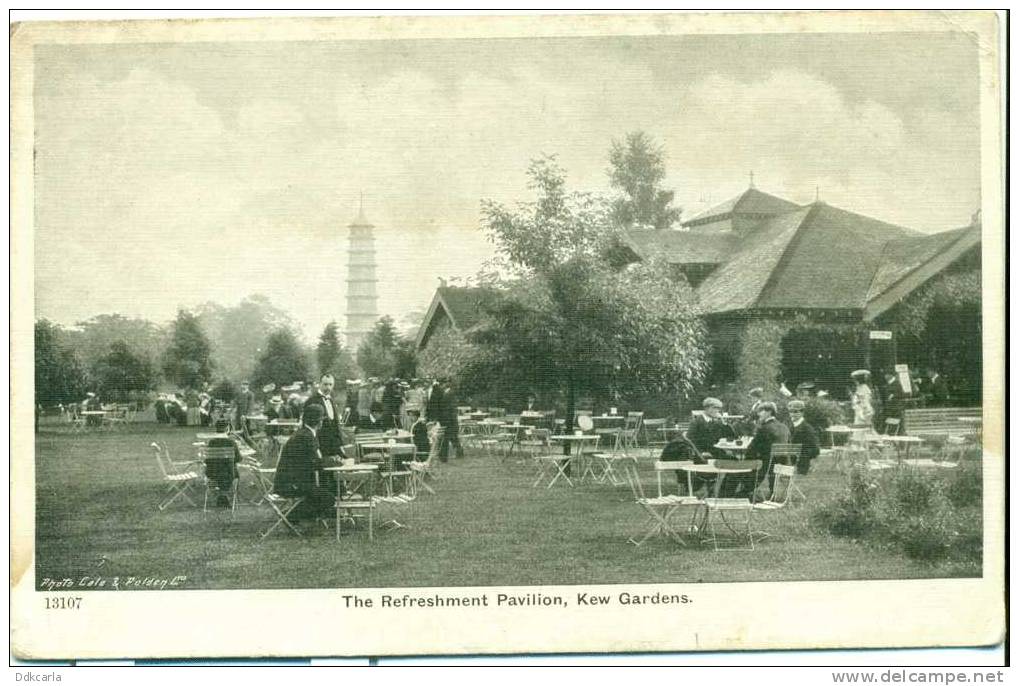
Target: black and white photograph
(529,326)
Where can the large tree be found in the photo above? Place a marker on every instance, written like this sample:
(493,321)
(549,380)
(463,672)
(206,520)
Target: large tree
(328,348)
(332,357)
(283,360)
(571,324)
(238,333)
(59,374)
(384,353)
(187,360)
(122,372)
(636,170)
(91,339)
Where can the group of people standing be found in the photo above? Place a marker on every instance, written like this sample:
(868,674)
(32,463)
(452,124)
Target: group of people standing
(890,397)
(321,441)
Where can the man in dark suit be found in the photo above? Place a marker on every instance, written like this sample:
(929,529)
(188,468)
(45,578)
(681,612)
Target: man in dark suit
(419,434)
(392,399)
(894,399)
(299,471)
(937,389)
(223,474)
(442,409)
(769,432)
(376,420)
(709,428)
(803,434)
(244,403)
(330,441)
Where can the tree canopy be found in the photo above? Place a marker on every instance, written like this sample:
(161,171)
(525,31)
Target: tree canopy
(332,357)
(59,373)
(187,360)
(283,360)
(238,333)
(570,323)
(122,372)
(384,353)
(636,170)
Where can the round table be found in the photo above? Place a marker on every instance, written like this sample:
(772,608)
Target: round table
(709,468)
(734,447)
(902,444)
(564,461)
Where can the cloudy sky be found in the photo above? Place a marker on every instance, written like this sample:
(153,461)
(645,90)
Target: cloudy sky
(172,174)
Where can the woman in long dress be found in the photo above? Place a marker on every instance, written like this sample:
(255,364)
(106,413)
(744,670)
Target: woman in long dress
(863,407)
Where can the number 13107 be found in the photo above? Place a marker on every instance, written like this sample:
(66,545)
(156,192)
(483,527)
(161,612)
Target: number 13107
(63,603)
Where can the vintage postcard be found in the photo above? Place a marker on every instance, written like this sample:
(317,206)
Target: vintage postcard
(478,335)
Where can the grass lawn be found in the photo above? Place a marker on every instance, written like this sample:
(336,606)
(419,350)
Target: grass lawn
(96,515)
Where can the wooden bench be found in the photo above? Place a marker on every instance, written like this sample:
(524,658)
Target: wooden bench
(941,421)
(942,430)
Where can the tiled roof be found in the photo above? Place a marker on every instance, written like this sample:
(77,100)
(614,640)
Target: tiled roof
(464,305)
(750,201)
(902,256)
(682,247)
(831,262)
(737,284)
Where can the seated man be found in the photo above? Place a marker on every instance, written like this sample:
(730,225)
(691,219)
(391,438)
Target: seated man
(706,430)
(220,474)
(804,435)
(374,421)
(299,471)
(682,448)
(419,434)
(769,432)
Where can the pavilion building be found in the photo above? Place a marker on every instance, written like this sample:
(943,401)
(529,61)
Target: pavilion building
(793,293)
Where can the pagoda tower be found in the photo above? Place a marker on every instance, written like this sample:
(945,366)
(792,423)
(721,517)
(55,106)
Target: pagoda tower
(362,305)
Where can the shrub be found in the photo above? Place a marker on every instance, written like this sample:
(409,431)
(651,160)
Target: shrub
(910,509)
(915,514)
(851,514)
(966,489)
(821,413)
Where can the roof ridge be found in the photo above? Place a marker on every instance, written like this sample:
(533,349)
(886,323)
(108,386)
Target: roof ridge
(780,263)
(961,231)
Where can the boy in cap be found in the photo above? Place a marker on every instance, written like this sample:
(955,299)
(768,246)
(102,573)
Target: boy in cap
(769,432)
(803,434)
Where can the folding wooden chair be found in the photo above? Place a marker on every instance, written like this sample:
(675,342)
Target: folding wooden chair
(659,510)
(394,466)
(78,421)
(720,507)
(261,478)
(392,470)
(654,435)
(893,426)
(787,454)
(551,468)
(781,494)
(282,507)
(179,477)
(631,428)
(422,471)
(359,500)
(221,461)
(534,441)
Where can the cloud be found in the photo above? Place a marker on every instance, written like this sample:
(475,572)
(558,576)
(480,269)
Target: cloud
(152,195)
(798,132)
